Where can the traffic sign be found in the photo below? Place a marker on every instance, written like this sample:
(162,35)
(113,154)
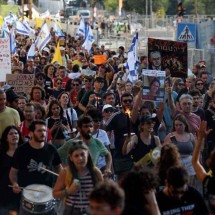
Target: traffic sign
(186,32)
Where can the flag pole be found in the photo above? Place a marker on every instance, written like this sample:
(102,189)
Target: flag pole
(22,2)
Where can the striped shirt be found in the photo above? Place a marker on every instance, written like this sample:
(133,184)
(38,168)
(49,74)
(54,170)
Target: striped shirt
(80,199)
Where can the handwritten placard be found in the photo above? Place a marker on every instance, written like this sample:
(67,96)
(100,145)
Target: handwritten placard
(100,59)
(22,83)
(5,59)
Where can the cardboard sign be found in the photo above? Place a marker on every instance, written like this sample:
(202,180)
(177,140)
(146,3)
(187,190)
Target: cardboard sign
(22,83)
(5,59)
(100,59)
(154,85)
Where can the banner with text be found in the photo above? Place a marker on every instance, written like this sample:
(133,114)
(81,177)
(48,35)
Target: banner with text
(5,59)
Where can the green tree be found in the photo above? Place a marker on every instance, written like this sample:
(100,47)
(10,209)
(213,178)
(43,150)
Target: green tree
(111,5)
(139,5)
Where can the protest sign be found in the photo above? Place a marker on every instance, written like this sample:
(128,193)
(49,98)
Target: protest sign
(22,83)
(154,85)
(168,55)
(87,72)
(100,59)
(5,59)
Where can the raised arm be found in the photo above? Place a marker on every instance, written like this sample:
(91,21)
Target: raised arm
(199,169)
(137,103)
(171,102)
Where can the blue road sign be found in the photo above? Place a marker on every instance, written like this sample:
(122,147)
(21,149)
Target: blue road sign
(186,32)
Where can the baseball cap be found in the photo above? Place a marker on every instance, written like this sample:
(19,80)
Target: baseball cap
(146,118)
(106,106)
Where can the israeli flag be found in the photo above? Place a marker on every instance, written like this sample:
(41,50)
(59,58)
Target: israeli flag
(83,29)
(89,40)
(57,29)
(12,42)
(43,37)
(132,61)
(31,52)
(21,28)
(11,19)
(5,30)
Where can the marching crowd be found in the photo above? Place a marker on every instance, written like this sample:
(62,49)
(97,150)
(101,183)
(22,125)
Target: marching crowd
(95,141)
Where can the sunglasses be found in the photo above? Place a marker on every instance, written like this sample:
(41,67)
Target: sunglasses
(86,81)
(87,126)
(76,85)
(118,83)
(59,83)
(127,101)
(199,84)
(108,110)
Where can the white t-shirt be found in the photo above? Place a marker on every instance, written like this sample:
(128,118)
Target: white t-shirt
(102,136)
(72,114)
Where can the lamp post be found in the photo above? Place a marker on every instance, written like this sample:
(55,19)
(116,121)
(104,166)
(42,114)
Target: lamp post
(196,10)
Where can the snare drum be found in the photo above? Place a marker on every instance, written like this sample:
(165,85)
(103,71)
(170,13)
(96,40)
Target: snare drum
(38,202)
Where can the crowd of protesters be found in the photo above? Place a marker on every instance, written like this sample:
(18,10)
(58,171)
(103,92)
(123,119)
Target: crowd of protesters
(113,152)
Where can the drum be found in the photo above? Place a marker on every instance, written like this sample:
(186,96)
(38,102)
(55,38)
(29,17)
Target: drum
(36,202)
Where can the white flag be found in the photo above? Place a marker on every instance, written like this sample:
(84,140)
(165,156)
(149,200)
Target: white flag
(82,29)
(31,52)
(43,37)
(12,42)
(132,61)
(89,40)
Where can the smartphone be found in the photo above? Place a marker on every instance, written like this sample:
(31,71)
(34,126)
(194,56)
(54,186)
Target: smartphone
(58,121)
(173,139)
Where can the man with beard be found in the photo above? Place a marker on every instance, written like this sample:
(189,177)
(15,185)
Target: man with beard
(32,155)
(196,109)
(29,116)
(96,148)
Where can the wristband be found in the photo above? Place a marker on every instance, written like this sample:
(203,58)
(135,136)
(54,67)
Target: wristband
(65,192)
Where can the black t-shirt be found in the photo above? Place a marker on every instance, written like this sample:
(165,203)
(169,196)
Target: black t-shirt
(7,196)
(191,203)
(209,192)
(201,113)
(57,134)
(27,161)
(85,99)
(118,123)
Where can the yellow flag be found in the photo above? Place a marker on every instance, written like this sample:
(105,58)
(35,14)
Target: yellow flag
(57,55)
(1,21)
(38,22)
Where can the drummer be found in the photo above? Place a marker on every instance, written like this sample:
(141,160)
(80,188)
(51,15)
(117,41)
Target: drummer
(31,156)
(139,145)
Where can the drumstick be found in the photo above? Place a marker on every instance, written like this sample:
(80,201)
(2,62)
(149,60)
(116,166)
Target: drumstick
(23,188)
(47,170)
